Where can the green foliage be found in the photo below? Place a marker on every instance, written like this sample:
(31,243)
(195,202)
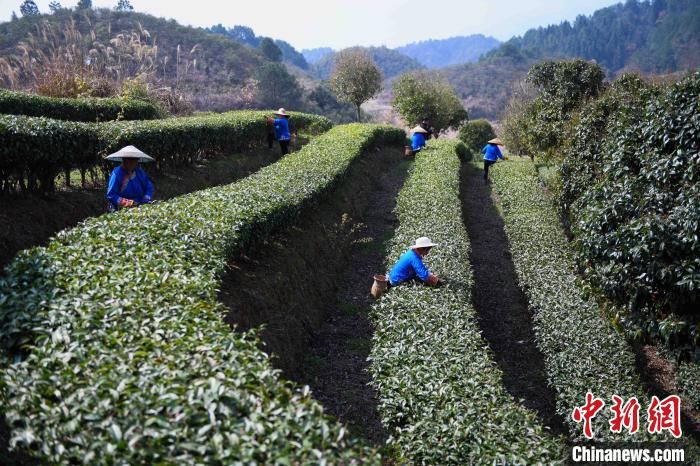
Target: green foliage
(582,352)
(419,95)
(276,87)
(54,6)
(270,50)
(125,356)
(390,62)
(440,393)
(356,78)
(84,5)
(562,86)
(636,35)
(637,227)
(34,150)
(124,5)
(29,8)
(475,134)
(89,109)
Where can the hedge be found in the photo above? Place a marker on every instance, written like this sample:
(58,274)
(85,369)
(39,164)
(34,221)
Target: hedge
(87,110)
(441,394)
(582,351)
(124,355)
(34,150)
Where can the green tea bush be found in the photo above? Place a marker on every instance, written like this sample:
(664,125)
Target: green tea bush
(441,396)
(117,350)
(475,134)
(582,351)
(83,109)
(40,148)
(637,227)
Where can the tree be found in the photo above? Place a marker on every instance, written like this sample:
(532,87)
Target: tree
(276,87)
(84,5)
(55,6)
(244,34)
(270,50)
(421,95)
(124,5)
(356,78)
(14,16)
(475,134)
(29,8)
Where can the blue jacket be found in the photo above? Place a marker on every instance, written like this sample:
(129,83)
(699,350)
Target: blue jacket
(409,266)
(417,141)
(282,129)
(491,152)
(138,188)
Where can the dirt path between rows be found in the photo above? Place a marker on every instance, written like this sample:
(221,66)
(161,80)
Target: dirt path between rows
(502,307)
(309,288)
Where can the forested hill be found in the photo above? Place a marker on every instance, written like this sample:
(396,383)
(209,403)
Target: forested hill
(127,44)
(436,53)
(391,62)
(657,36)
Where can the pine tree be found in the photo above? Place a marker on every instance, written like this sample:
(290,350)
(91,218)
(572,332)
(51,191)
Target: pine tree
(29,8)
(124,5)
(55,6)
(84,5)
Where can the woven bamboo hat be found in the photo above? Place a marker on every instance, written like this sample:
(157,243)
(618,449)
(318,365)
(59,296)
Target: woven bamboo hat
(129,152)
(423,242)
(496,141)
(419,129)
(281,112)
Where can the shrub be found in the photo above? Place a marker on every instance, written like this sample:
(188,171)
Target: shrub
(637,230)
(125,358)
(475,134)
(40,148)
(440,392)
(87,109)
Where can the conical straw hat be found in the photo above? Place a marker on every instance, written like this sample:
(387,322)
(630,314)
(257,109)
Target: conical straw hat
(419,129)
(496,141)
(129,152)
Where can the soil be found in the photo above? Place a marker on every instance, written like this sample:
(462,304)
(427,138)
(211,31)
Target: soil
(659,376)
(502,307)
(29,220)
(308,286)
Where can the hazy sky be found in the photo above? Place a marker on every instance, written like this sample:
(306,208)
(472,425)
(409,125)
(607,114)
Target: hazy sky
(343,23)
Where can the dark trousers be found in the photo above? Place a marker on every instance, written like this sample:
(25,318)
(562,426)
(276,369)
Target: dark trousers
(487,164)
(270,139)
(284,145)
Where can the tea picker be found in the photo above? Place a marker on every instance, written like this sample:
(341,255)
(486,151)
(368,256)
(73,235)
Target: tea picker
(409,268)
(492,153)
(129,185)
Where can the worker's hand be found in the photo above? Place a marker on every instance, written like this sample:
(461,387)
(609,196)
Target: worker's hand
(123,202)
(505,157)
(432,280)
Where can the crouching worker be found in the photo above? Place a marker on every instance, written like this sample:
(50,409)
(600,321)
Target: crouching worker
(410,266)
(129,184)
(418,139)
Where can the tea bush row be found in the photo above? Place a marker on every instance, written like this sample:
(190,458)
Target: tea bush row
(117,350)
(34,150)
(441,396)
(88,109)
(582,351)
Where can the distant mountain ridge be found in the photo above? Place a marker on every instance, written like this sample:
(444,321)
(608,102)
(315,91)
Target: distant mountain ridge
(391,62)
(314,55)
(437,53)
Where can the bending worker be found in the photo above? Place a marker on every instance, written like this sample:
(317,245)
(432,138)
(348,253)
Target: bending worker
(491,153)
(129,184)
(410,266)
(418,139)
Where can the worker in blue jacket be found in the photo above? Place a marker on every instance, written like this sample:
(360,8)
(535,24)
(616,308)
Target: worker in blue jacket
(418,139)
(129,185)
(282,132)
(410,266)
(491,153)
